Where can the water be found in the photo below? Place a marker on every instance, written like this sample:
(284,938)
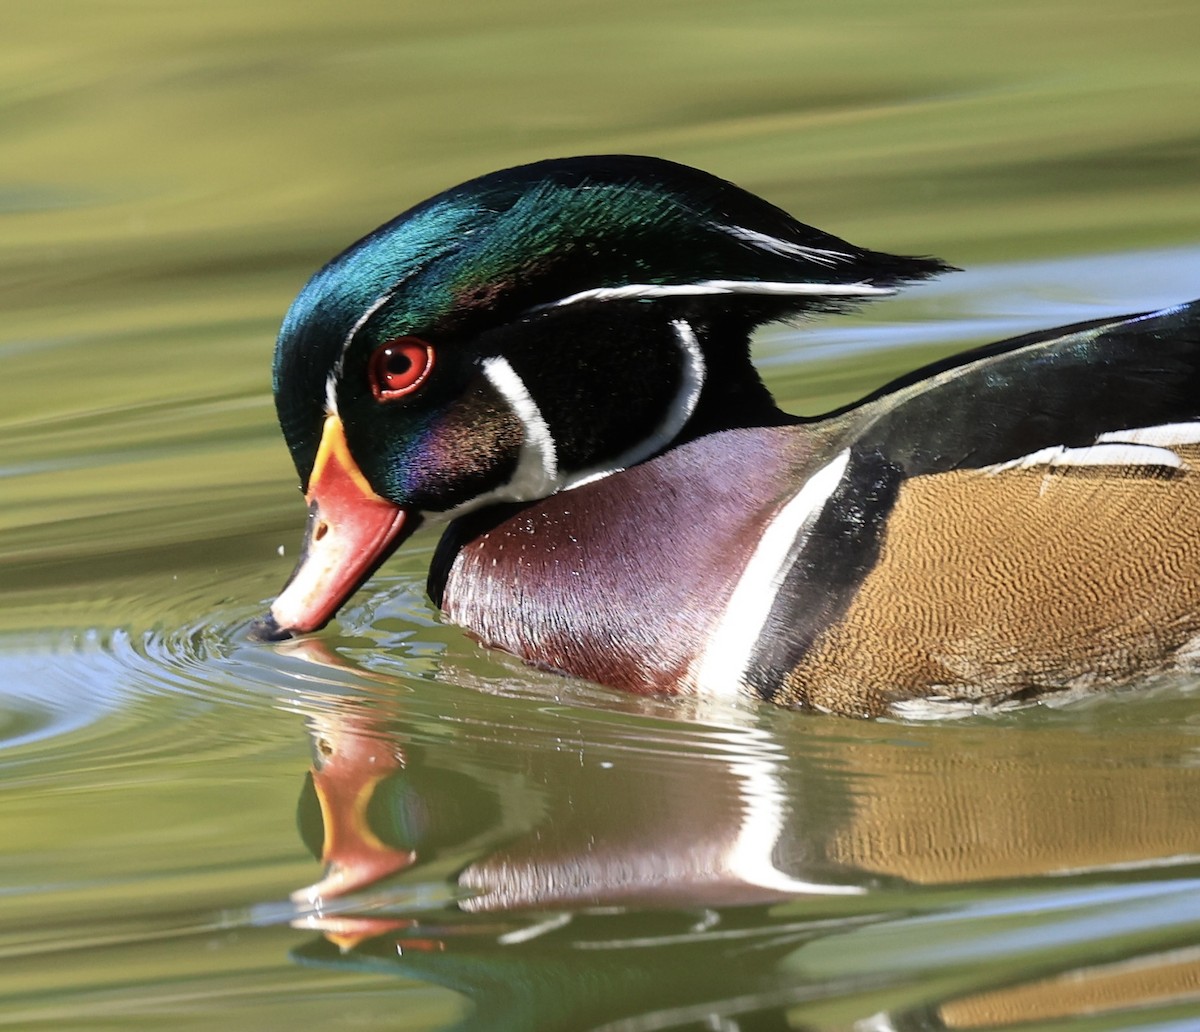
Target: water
(516,851)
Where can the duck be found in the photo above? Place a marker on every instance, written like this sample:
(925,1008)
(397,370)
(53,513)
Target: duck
(552,363)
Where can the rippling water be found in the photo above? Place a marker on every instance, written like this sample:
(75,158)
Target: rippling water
(386,826)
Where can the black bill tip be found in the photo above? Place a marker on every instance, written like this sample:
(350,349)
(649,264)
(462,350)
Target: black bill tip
(265,628)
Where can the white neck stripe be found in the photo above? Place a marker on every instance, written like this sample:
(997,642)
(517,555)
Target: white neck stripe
(721,668)
(691,383)
(537,474)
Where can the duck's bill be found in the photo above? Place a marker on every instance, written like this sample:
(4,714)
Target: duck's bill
(351,531)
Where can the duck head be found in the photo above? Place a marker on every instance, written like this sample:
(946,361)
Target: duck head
(526,332)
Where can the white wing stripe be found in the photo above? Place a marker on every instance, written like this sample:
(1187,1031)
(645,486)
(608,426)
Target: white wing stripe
(1162,436)
(1107,454)
(1137,446)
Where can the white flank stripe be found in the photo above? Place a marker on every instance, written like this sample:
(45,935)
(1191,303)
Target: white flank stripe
(650,291)
(1107,454)
(1158,436)
(820,255)
(537,466)
(765,811)
(533,931)
(720,669)
(881,1022)
(691,383)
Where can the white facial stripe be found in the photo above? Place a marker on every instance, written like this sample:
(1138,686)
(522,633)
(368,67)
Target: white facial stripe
(331,408)
(537,474)
(537,467)
(379,302)
(1163,436)
(650,291)
(820,255)
(1107,454)
(720,669)
(691,383)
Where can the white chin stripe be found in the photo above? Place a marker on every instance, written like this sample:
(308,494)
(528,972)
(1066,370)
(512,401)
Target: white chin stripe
(721,668)
(691,383)
(537,466)
(1105,454)
(652,291)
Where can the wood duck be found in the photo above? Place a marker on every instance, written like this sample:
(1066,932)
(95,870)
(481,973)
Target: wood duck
(553,360)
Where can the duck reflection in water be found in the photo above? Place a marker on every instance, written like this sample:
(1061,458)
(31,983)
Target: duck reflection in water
(700,872)
(555,893)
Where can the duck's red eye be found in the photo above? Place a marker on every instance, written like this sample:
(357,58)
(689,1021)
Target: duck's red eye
(399,367)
